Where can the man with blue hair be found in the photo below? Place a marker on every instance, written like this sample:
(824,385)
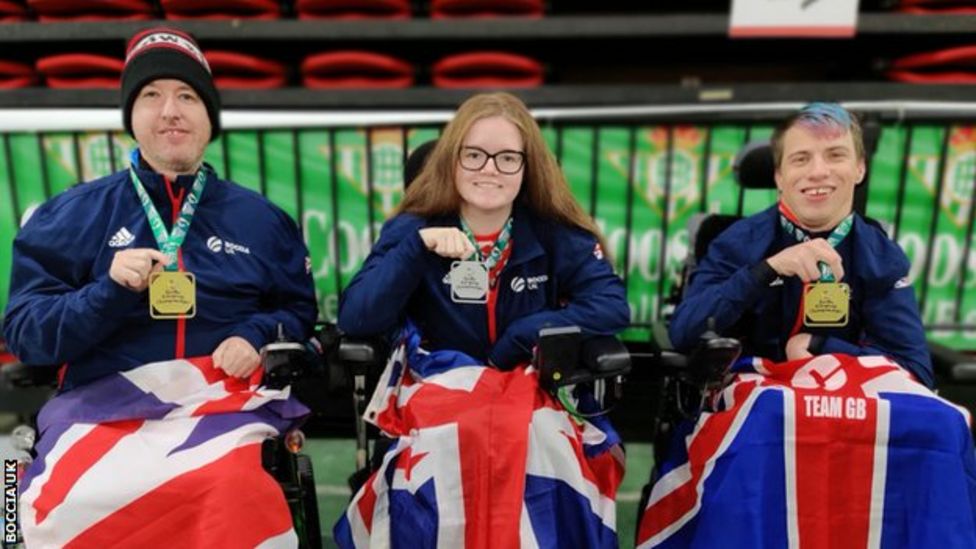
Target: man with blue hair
(809,275)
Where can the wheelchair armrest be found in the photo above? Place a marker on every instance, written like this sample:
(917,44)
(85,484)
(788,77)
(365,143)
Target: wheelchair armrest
(563,357)
(348,352)
(707,363)
(953,365)
(279,348)
(20,375)
(360,353)
(662,357)
(350,357)
(605,356)
(285,362)
(673,363)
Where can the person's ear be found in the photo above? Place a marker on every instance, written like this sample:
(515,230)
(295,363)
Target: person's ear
(861,170)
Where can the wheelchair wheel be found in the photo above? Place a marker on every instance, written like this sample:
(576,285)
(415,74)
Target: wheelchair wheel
(311,535)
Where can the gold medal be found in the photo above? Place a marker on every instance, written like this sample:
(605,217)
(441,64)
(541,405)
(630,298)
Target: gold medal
(172,295)
(826,304)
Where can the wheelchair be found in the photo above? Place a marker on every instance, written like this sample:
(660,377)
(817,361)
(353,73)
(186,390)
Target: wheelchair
(284,363)
(564,358)
(681,381)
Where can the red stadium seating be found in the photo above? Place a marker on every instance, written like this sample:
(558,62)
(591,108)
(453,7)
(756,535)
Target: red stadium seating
(99,10)
(352,9)
(922,7)
(80,70)
(16,75)
(356,69)
(486,8)
(240,70)
(12,11)
(487,69)
(221,9)
(947,66)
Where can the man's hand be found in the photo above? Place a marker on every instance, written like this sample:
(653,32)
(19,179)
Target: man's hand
(802,260)
(447,242)
(131,268)
(235,356)
(796,347)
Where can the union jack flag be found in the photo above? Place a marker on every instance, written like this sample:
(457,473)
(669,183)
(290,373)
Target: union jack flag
(831,451)
(483,459)
(168,453)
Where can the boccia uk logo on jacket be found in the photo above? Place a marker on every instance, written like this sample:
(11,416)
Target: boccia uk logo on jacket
(217,245)
(520,284)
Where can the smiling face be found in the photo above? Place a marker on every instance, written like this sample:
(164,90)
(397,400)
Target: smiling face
(171,125)
(817,174)
(487,192)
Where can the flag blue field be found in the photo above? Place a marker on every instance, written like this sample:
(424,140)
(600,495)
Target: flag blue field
(832,451)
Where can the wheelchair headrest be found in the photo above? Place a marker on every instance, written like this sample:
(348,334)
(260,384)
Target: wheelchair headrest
(754,167)
(709,228)
(415,162)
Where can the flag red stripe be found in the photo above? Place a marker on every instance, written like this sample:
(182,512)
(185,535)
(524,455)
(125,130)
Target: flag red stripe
(205,365)
(842,450)
(79,459)
(230,502)
(367,503)
(231,403)
(492,494)
(604,470)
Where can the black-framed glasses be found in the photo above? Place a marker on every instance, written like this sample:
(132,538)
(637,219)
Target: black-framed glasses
(507,162)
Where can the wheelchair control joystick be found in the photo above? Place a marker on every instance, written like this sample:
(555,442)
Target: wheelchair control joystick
(711,361)
(557,355)
(284,361)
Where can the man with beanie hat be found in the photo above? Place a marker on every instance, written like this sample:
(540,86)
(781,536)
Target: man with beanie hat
(157,263)
(168,53)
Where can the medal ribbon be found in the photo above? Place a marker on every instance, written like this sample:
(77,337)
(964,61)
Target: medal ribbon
(169,242)
(501,243)
(497,256)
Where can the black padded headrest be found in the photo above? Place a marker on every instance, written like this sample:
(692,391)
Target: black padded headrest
(415,162)
(754,167)
(711,226)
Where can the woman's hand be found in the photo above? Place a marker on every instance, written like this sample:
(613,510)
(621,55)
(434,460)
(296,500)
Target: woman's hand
(447,242)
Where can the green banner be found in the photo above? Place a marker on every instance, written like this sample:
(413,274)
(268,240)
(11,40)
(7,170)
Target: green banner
(642,183)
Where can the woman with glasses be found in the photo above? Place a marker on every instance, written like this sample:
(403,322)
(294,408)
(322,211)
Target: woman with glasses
(487,247)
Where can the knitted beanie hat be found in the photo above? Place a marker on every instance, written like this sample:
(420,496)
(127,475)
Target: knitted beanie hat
(163,52)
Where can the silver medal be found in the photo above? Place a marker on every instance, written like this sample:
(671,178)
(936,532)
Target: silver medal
(469,282)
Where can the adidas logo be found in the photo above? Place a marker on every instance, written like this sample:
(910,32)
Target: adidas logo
(121,238)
